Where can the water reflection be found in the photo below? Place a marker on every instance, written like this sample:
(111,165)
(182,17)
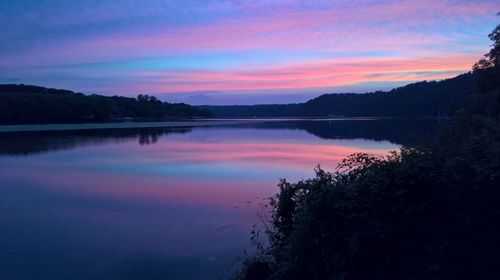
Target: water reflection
(25,143)
(151,203)
(399,131)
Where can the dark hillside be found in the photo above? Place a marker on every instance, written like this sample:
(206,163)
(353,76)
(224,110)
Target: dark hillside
(33,104)
(422,99)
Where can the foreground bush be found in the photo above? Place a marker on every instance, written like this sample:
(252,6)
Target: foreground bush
(418,214)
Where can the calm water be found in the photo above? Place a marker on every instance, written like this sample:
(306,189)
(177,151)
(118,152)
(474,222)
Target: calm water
(158,203)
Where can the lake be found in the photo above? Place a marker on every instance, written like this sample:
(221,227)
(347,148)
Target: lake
(160,203)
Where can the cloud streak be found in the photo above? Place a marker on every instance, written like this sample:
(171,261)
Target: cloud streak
(239,45)
(319,73)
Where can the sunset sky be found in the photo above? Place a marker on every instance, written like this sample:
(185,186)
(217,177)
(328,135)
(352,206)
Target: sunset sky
(222,52)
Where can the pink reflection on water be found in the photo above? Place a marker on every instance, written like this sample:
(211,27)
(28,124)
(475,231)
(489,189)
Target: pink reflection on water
(141,189)
(291,155)
(187,171)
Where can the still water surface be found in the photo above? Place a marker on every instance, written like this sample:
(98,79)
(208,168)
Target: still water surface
(159,203)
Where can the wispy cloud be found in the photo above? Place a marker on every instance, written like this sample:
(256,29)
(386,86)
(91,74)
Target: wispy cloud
(166,46)
(321,73)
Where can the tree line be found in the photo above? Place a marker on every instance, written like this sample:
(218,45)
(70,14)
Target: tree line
(34,104)
(422,99)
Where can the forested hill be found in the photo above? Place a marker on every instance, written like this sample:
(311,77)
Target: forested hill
(422,99)
(33,104)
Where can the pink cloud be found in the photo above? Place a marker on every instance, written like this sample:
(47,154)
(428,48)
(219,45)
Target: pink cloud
(316,73)
(391,26)
(395,41)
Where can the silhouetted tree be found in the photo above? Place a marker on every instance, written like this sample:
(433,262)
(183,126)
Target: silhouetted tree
(488,68)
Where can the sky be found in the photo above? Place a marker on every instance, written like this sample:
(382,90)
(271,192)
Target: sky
(239,52)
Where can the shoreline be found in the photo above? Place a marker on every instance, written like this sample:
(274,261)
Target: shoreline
(157,124)
(120,125)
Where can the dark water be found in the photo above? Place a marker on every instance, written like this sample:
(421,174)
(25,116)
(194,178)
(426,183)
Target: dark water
(159,203)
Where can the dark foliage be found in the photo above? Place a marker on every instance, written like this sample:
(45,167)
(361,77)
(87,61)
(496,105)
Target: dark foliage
(430,213)
(487,69)
(418,214)
(33,104)
(426,213)
(422,99)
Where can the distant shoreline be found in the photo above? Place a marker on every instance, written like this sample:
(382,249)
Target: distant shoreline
(189,123)
(117,125)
